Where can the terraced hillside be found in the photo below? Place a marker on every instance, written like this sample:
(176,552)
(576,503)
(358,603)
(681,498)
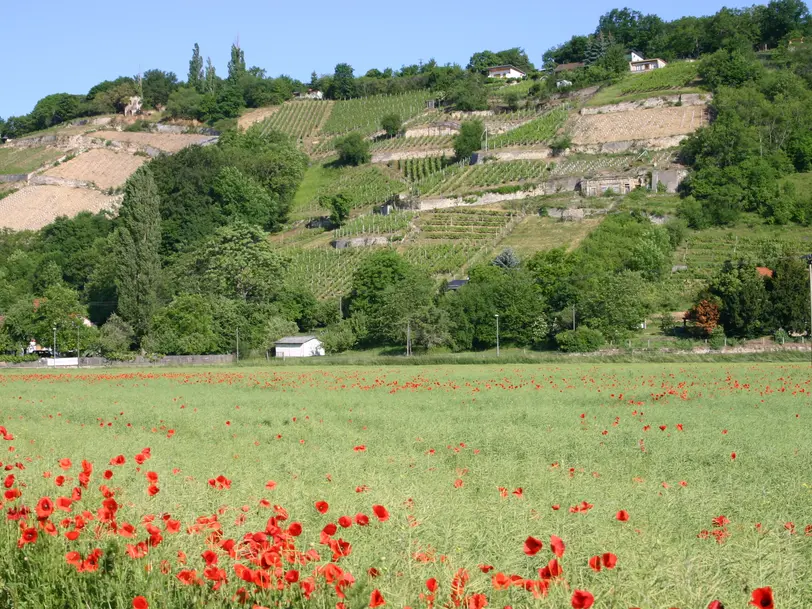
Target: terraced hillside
(641,124)
(104,168)
(33,207)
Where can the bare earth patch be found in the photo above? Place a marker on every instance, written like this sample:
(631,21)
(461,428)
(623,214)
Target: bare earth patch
(256,116)
(36,206)
(637,124)
(105,168)
(162,141)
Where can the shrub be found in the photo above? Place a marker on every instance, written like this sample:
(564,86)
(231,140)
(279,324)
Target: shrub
(353,150)
(717,338)
(580,340)
(391,124)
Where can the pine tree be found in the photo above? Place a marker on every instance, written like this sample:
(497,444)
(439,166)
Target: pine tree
(138,239)
(196,69)
(236,65)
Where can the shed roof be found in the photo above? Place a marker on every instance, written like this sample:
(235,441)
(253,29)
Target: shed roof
(295,340)
(566,67)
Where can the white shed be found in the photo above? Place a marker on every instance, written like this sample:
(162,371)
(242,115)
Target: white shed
(298,346)
(505,72)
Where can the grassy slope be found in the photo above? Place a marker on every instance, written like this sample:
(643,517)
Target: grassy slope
(539,429)
(25,160)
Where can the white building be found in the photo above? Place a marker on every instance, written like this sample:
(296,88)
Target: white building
(644,65)
(505,72)
(298,346)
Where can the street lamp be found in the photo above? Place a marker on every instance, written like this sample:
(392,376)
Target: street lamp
(497,334)
(53,350)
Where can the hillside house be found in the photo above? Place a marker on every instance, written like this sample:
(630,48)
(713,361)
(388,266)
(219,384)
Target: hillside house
(298,346)
(505,72)
(645,65)
(568,67)
(311,94)
(635,56)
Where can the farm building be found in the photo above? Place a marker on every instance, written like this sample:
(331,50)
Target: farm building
(644,65)
(505,72)
(298,346)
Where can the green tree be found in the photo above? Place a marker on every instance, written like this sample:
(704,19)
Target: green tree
(468,94)
(139,264)
(195,78)
(238,262)
(236,65)
(391,124)
(788,290)
(615,304)
(242,198)
(744,301)
(353,149)
(343,83)
(339,206)
(184,327)
(116,336)
(59,308)
(469,139)
(781,17)
(158,86)
(185,102)
(580,340)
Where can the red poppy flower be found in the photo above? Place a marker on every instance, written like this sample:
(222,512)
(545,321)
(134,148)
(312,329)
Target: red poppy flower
(532,546)
(609,560)
(477,601)
(345,521)
(292,576)
(373,572)
(73,558)
(557,546)
(376,599)
(29,535)
(762,598)
(119,460)
(139,602)
(153,490)
(500,581)
(361,520)
(65,464)
(458,483)
(486,568)
(581,599)
(556,507)
(381,512)
(360,448)
(295,529)
(595,563)
(431,584)
(270,485)
(45,508)
(716,605)
(322,507)
(622,515)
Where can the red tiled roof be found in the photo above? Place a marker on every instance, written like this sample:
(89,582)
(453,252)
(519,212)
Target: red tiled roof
(566,67)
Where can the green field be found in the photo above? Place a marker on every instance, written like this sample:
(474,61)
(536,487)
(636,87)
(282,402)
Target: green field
(674,79)
(468,461)
(26,160)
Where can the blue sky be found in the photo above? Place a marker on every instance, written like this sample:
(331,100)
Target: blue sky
(53,47)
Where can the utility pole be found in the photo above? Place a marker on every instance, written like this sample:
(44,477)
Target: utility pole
(238,344)
(573,317)
(409,338)
(78,353)
(809,262)
(497,334)
(53,355)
